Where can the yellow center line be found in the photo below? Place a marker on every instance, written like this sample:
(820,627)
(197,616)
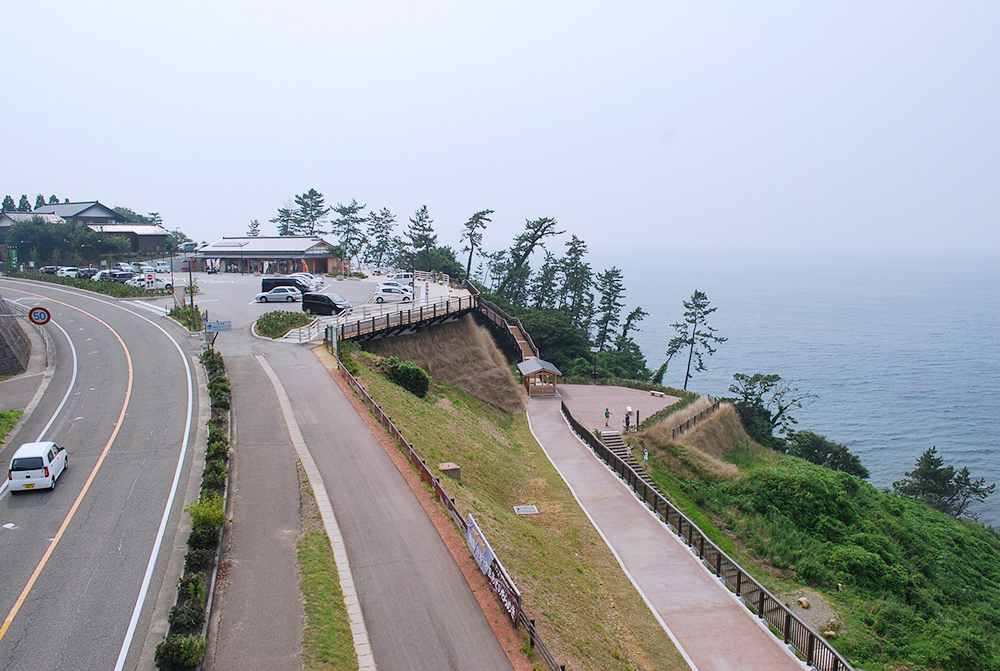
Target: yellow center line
(90,479)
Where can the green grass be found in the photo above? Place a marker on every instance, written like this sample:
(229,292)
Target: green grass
(115,289)
(8,418)
(586,610)
(326,640)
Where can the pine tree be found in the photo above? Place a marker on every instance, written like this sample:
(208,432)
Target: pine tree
(612,288)
(155,219)
(518,271)
(543,283)
(473,226)
(695,334)
(348,228)
(254,229)
(53,200)
(24,205)
(941,487)
(311,212)
(39,201)
(286,220)
(8,205)
(380,225)
(421,235)
(577,281)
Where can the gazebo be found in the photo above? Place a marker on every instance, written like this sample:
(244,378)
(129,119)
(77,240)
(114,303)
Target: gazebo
(538,377)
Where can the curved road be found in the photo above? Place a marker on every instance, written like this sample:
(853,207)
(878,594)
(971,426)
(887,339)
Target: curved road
(77,560)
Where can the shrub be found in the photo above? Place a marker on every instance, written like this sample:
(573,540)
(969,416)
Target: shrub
(278,323)
(179,652)
(408,375)
(189,316)
(207,511)
(203,538)
(213,363)
(198,559)
(188,616)
(215,474)
(220,391)
(217,449)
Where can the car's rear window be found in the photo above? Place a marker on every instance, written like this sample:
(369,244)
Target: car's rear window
(27,464)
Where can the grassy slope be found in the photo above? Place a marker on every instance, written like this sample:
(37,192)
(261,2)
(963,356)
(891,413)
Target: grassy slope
(8,418)
(586,610)
(920,589)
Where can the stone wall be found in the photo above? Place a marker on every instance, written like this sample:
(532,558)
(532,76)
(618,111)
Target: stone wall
(15,347)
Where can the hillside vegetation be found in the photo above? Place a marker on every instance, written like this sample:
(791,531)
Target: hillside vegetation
(915,589)
(585,608)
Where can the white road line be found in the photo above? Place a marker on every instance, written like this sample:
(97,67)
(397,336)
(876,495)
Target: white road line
(362,646)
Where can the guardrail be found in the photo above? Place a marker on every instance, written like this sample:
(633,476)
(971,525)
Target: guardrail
(813,648)
(691,422)
(500,582)
(407,317)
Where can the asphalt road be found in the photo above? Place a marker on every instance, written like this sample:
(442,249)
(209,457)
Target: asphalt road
(125,434)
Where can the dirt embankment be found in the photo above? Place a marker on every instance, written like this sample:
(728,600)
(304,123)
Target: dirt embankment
(462,355)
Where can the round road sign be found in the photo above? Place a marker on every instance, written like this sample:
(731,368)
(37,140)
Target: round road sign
(39,316)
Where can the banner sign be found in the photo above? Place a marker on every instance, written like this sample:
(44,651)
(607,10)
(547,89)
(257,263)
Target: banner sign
(491,567)
(481,550)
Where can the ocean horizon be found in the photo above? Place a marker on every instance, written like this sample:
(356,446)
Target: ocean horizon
(901,349)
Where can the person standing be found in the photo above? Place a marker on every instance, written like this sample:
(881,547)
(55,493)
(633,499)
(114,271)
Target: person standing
(628,418)
(607,416)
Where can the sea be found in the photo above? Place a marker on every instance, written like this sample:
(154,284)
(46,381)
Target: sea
(901,350)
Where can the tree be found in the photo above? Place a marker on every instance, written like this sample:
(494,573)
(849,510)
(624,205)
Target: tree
(254,229)
(154,218)
(576,299)
(348,227)
(24,205)
(286,220)
(612,288)
(524,245)
(544,283)
(311,212)
(130,215)
(473,226)
(633,318)
(941,487)
(817,449)
(39,201)
(773,395)
(695,334)
(8,204)
(380,225)
(53,200)
(421,235)
(557,339)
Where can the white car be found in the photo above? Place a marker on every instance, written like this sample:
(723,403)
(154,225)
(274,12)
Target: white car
(278,294)
(392,294)
(68,271)
(395,285)
(314,282)
(163,266)
(158,283)
(403,278)
(36,466)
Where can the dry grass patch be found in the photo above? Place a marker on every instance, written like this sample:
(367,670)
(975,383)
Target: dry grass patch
(462,355)
(701,453)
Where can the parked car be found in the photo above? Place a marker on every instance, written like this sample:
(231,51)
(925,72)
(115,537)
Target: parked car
(68,271)
(403,278)
(163,266)
(392,294)
(187,246)
(286,294)
(395,285)
(314,282)
(126,267)
(324,304)
(86,273)
(36,466)
(300,283)
(48,270)
(158,283)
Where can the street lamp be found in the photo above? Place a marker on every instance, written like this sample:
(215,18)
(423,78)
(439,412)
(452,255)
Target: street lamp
(595,349)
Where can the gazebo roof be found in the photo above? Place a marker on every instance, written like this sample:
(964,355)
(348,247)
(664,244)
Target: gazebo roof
(532,366)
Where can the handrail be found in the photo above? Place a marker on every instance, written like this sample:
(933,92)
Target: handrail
(816,650)
(500,582)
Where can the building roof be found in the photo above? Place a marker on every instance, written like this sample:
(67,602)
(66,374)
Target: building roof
(137,229)
(70,210)
(25,216)
(286,245)
(531,366)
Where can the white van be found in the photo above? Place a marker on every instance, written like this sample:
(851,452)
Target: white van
(163,266)
(403,278)
(36,465)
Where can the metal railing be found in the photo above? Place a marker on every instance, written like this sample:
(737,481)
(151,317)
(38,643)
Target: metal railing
(691,422)
(411,316)
(815,650)
(500,582)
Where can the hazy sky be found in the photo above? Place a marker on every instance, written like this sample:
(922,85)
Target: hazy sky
(661,125)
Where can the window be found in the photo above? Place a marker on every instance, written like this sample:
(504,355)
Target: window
(27,464)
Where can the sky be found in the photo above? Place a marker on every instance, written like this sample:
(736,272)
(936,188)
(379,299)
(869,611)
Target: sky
(673,126)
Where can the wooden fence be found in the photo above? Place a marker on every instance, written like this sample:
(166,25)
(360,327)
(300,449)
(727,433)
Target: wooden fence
(815,650)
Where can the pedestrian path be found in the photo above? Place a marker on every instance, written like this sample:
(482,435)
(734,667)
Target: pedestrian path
(711,628)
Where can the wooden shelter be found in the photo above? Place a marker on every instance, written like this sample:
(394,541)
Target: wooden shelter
(538,377)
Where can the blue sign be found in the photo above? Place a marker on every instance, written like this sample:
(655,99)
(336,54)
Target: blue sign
(217,327)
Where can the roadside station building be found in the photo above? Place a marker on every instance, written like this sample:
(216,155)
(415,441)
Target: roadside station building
(268,255)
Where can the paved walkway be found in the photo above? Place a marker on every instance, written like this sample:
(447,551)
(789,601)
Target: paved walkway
(711,628)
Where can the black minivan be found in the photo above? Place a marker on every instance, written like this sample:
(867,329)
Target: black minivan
(324,304)
(268,283)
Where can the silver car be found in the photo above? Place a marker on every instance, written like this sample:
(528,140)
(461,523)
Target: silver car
(280,294)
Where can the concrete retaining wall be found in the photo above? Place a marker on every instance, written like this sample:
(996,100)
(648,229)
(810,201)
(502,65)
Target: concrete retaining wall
(15,348)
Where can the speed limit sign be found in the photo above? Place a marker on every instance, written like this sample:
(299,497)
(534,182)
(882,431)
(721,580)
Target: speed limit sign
(39,316)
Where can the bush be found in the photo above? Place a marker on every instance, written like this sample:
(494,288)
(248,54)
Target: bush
(191,587)
(203,538)
(207,511)
(215,474)
(408,375)
(187,617)
(220,391)
(189,316)
(278,323)
(198,559)
(213,363)
(217,449)
(179,652)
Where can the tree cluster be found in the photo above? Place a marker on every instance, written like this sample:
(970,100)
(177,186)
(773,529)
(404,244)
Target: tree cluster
(943,487)
(24,205)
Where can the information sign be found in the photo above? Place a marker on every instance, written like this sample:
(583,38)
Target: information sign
(216,327)
(39,316)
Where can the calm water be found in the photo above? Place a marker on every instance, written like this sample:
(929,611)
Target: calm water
(903,352)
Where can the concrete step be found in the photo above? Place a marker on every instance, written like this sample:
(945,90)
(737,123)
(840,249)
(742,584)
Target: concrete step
(613,440)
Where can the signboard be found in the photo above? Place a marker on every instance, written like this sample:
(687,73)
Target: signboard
(481,550)
(150,281)
(501,583)
(39,316)
(218,327)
